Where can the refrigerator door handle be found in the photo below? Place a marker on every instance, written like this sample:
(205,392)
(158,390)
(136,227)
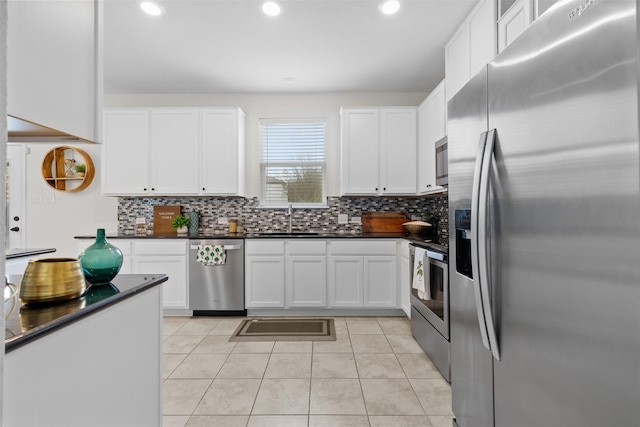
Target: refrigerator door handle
(483,258)
(475,218)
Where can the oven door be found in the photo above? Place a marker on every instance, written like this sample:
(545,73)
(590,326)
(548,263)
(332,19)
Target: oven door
(435,310)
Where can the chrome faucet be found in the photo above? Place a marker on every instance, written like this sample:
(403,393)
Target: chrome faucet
(290,212)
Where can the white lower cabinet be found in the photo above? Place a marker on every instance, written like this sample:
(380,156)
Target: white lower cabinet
(264,273)
(380,281)
(362,274)
(156,256)
(306,281)
(264,281)
(346,281)
(404,276)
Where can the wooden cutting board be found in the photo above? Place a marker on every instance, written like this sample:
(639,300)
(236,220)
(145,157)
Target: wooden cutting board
(162,218)
(383,222)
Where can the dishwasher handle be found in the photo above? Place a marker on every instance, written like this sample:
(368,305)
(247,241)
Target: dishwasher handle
(226,247)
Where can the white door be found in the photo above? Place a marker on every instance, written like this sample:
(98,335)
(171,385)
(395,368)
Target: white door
(360,153)
(16,161)
(174,290)
(264,281)
(306,281)
(398,139)
(345,281)
(380,281)
(174,151)
(219,152)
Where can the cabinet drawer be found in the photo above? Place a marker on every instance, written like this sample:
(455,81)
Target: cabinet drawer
(264,247)
(177,247)
(306,247)
(363,247)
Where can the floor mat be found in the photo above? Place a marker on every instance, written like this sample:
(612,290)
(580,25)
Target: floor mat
(285,330)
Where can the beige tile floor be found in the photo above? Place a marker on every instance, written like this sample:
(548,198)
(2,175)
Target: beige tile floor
(373,375)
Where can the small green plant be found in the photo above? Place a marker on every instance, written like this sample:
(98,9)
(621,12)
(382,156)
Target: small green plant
(81,168)
(180,221)
(431,217)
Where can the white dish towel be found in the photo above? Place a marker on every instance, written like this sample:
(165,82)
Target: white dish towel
(421,275)
(211,254)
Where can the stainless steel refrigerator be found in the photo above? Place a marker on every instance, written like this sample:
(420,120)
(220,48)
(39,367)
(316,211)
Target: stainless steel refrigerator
(544,199)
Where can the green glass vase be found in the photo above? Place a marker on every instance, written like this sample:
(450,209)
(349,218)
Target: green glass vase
(101,261)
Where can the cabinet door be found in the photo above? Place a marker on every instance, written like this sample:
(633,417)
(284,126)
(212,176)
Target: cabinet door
(345,281)
(360,151)
(264,281)
(398,138)
(125,154)
(404,277)
(482,35)
(432,127)
(51,74)
(174,290)
(456,54)
(221,149)
(513,23)
(306,281)
(174,152)
(380,288)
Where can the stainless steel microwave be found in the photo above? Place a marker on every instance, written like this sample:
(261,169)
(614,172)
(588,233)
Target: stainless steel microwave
(442,168)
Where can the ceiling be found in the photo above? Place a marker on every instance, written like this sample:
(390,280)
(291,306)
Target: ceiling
(230,46)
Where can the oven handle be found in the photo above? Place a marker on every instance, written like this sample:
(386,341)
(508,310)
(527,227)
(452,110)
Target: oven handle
(481,244)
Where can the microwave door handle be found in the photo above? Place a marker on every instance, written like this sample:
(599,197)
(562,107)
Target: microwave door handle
(475,261)
(483,258)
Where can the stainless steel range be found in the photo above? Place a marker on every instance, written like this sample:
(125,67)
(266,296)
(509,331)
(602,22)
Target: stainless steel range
(430,310)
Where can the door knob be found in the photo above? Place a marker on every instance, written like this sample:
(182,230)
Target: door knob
(15,229)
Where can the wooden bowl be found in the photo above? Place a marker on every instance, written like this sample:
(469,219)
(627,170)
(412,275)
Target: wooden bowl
(418,228)
(48,280)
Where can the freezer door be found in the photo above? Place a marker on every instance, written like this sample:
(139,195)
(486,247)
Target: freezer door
(471,362)
(565,253)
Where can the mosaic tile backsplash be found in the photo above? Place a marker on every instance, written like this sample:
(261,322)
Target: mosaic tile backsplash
(257,219)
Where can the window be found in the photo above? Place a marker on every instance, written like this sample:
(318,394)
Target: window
(293,166)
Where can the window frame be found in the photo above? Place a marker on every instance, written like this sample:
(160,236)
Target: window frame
(323,164)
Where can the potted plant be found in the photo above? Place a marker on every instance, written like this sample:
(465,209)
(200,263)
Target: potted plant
(181,224)
(433,219)
(80,169)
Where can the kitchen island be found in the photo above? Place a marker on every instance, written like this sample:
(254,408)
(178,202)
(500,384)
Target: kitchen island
(94,360)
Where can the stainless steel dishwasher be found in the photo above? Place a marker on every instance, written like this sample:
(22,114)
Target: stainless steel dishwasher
(216,290)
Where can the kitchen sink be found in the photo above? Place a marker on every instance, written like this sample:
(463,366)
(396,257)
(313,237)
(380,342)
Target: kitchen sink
(293,234)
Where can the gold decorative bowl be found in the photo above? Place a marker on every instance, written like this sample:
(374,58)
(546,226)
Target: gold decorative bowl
(49,280)
(419,228)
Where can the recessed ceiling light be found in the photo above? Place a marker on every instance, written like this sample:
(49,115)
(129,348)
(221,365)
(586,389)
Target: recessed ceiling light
(151,7)
(389,7)
(271,8)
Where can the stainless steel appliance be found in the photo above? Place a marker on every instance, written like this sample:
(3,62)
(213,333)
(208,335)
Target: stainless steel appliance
(430,317)
(544,199)
(217,289)
(442,162)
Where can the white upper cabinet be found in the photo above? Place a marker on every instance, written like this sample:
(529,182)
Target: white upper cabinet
(125,168)
(222,152)
(471,47)
(51,64)
(431,128)
(378,151)
(173,152)
(513,22)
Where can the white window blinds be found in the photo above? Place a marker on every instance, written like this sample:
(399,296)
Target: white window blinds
(293,163)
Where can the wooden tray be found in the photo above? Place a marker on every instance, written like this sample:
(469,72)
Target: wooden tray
(383,222)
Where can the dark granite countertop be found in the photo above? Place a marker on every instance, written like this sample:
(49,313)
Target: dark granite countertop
(420,241)
(23,252)
(30,323)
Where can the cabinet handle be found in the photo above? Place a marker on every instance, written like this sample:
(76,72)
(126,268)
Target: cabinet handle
(428,185)
(153,189)
(202,188)
(144,189)
(15,228)
(16,218)
(376,188)
(384,189)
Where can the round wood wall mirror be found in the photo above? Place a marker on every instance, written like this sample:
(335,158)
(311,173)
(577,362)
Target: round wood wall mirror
(62,169)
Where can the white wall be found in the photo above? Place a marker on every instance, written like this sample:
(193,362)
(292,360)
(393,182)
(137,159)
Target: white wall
(259,106)
(53,225)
